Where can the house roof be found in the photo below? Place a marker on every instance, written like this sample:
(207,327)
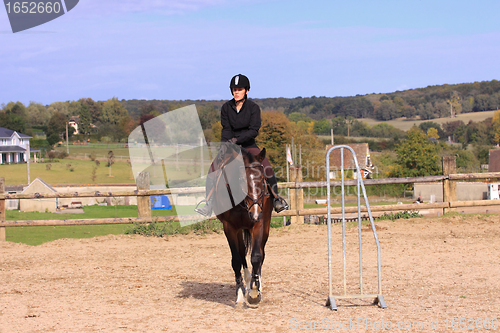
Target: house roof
(43,182)
(360,149)
(7,133)
(13,188)
(12,149)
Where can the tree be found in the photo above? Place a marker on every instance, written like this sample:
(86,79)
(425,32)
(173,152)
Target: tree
(312,150)
(37,114)
(416,156)
(386,111)
(400,104)
(13,117)
(451,127)
(56,125)
(495,124)
(53,139)
(425,126)
(322,126)
(216,130)
(113,111)
(95,109)
(432,133)
(61,107)
(208,115)
(338,125)
(274,134)
(85,119)
(297,116)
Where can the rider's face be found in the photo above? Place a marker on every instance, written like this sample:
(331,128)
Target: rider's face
(239,93)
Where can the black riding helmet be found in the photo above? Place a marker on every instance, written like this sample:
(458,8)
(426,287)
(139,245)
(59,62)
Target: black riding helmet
(239,81)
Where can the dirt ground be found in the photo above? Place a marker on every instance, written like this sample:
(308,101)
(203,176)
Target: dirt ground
(435,271)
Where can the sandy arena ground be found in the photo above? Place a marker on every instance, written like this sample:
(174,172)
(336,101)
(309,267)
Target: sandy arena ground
(433,270)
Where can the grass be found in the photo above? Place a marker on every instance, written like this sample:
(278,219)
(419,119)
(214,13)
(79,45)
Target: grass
(42,234)
(100,151)
(79,171)
(60,173)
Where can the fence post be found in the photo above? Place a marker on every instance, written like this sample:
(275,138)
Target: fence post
(449,186)
(296,195)
(2,209)
(143,202)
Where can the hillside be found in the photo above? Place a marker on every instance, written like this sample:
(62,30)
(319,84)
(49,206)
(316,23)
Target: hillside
(423,103)
(405,124)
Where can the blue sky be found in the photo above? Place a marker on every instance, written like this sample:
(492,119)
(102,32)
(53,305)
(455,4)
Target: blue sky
(147,49)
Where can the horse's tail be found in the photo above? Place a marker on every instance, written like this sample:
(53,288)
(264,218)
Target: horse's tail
(247,238)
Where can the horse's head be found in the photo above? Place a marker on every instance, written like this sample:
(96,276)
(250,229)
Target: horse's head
(256,184)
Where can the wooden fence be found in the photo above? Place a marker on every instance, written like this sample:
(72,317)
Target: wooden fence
(143,193)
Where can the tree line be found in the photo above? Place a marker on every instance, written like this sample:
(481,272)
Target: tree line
(114,119)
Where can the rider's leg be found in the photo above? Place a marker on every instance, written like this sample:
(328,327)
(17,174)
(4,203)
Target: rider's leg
(279,203)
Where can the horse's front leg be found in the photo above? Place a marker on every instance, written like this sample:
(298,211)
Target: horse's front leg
(236,262)
(254,293)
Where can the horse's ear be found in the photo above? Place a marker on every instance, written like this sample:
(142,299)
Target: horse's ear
(260,157)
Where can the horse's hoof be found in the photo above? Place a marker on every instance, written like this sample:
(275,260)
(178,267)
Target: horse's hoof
(254,296)
(239,306)
(240,297)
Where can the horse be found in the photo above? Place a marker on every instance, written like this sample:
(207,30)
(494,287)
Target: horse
(246,225)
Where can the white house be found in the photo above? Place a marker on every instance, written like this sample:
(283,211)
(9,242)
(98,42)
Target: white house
(73,122)
(13,146)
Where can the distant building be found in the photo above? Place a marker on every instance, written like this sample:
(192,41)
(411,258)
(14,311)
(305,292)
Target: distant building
(73,122)
(13,204)
(362,155)
(42,204)
(13,146)
(494,160)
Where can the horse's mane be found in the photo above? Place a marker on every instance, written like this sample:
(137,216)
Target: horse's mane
(248,155)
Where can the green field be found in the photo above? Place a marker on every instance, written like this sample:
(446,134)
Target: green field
(99,150)
(405,124)
(60,172)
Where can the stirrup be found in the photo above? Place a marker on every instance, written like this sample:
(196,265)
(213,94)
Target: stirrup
(205,210)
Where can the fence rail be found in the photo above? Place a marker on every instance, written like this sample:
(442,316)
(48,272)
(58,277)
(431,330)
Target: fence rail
(449,199)
(289,185)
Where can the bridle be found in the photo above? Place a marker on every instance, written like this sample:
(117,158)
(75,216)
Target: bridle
(260,199)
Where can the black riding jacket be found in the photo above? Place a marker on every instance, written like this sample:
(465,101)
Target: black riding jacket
(243,125)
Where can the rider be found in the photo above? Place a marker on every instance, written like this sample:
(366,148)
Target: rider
(240,120)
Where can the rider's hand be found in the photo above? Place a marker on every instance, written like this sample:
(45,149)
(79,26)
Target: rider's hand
(222,152)
(233,140)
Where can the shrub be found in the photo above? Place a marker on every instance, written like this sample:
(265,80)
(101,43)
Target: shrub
(400,215)
(170,228)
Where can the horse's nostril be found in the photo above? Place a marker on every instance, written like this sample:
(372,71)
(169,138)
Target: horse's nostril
(255,217)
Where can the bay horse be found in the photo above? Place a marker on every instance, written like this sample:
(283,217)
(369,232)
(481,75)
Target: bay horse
(246,225)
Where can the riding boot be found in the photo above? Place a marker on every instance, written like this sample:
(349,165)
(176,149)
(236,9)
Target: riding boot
(207,209)
(278,202)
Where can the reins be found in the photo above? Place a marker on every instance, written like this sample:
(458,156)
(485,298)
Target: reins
(259,201)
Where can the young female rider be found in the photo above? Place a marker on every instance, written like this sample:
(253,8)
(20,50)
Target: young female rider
(240,119)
